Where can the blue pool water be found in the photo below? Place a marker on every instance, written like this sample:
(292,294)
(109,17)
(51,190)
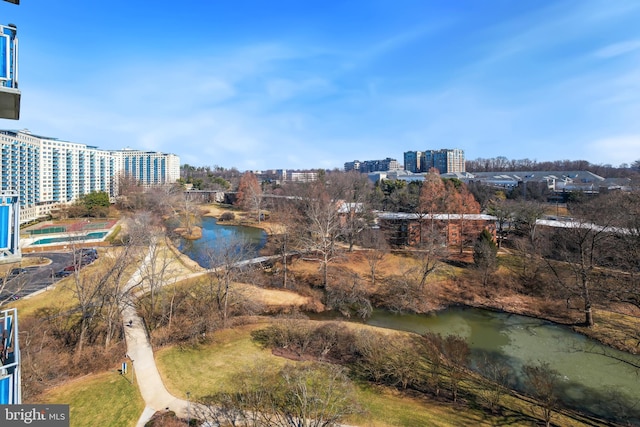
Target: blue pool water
(46,241)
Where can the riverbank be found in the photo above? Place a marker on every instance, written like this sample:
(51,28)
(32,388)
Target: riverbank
(616,325)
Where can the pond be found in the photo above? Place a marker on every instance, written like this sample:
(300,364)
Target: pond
(214,235)
(595,378)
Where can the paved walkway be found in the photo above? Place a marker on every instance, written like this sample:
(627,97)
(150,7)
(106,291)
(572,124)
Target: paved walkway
(155,394)
(144,367)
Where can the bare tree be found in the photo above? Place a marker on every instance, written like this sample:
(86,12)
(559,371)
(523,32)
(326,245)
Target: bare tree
(376,249)
(156,270)
(115,267)
(373,355)
(130,192)
(626,246)
(353,190)
(188,213)
(527,242)
(525,218)
(285,218)
(349,297)
(542,382)
(581,246)
(429,255)
(250,194)
(457,353)
(12,282)
(320,225)
(503,211)
(226,265)
(499,378)
(295,396)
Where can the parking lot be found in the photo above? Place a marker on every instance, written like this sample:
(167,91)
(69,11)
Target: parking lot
(25,281)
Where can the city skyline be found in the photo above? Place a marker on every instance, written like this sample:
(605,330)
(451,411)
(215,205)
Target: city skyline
(288,85)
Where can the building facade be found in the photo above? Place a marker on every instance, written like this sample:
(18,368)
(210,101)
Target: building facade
(413,161)
(149,168)
(411,229)
(47,172)
(445,160)
(368,166)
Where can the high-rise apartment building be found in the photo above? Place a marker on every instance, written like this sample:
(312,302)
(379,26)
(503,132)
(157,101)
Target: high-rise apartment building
(149,168)
(47,172)
(445,160)
(367,166)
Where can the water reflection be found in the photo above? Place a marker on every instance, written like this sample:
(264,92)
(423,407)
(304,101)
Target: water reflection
(595,378)
(215,235)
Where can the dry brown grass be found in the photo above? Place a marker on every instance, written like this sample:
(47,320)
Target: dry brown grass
(274,297)
(617,330)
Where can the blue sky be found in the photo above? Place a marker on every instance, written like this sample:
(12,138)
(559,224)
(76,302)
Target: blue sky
(300,84)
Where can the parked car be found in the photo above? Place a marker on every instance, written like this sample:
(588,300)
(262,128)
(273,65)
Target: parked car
(63,273)
(17,271)
(87,252)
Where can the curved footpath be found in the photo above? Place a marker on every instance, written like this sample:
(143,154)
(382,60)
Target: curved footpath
(155,394)
(140,353)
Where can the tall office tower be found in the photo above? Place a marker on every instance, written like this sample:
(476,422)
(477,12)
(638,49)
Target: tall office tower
(413,161)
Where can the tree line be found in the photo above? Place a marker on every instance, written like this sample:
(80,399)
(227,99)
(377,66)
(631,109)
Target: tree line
(503,164)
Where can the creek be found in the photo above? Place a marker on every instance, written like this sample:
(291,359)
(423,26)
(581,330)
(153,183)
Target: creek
(593,378)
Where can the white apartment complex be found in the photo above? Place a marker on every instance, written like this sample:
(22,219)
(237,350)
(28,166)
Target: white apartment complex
(148,167)
(47,172)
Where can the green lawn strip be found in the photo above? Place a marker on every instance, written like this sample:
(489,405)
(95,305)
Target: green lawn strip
(385,407)
(106,399)
(213,367)
(210,368)
(58,295)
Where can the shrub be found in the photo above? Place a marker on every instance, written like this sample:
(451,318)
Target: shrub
(227,216)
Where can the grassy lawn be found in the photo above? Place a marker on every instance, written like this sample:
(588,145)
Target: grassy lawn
(614,329)
(106,399)
(59,295)
(213,367)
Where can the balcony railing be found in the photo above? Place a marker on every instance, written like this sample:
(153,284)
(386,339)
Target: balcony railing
(9,93)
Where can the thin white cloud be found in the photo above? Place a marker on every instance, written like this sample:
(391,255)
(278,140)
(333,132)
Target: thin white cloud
(615,150)
(617,49)
(282,89)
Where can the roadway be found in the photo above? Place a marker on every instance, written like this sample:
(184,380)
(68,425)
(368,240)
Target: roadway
(36,278)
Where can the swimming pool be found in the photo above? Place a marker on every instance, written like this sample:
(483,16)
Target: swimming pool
(90,236)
